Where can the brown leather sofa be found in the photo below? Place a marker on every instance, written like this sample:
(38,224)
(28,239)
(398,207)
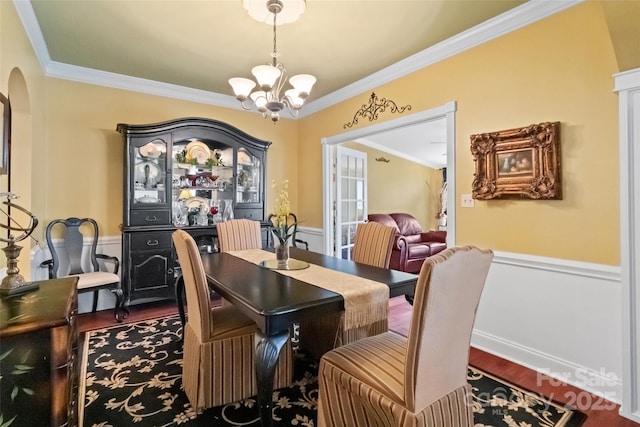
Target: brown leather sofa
(411,245)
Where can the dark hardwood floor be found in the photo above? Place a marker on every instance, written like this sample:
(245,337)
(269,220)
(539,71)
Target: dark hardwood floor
(600,413)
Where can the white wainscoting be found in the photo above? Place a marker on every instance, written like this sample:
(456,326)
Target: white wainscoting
(558,317)
(555,316)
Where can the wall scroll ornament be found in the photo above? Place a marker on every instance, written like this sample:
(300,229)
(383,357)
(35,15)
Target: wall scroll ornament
(374,107)
(521,163)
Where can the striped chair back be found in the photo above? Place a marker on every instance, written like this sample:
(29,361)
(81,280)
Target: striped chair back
(195,283)
(373,243)
(239,235)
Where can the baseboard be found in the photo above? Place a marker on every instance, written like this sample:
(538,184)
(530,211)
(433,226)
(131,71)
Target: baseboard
(595,382)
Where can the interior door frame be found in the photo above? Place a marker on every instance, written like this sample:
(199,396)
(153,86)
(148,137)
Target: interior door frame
(329,143)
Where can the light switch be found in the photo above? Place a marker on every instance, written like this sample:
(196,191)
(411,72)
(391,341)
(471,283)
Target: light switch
(467,201)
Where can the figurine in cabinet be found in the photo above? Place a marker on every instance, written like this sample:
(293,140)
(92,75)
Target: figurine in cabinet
(171,168)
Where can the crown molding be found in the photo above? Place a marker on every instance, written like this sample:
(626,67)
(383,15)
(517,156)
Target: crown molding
(516,18)
(32,28)
(627,80)
(136,84)
(405,156)
(521,16)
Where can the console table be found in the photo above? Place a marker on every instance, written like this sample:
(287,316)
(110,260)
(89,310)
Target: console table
(38,355)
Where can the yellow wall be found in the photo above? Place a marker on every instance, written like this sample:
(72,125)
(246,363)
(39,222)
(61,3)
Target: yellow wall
(558,69)
(22,81)
(83,173)
(401,186)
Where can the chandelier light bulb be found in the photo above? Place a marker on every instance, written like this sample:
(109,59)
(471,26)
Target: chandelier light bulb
(266,76)
(295,100)
(259,97)
(302,83)
(241,87)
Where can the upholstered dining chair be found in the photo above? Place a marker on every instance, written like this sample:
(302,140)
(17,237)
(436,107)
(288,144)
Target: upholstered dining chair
(218,342)
(95,271)
(239,235)
(372,246)
(419,381)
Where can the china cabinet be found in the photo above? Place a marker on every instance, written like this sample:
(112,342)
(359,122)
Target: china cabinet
(39,366)
(186,173)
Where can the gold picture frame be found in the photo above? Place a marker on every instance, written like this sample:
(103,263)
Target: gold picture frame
(521,163)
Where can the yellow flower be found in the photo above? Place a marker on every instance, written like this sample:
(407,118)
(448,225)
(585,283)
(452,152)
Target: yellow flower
(280,220)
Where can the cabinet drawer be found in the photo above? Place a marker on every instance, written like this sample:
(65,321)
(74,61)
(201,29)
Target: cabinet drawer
(150,217)
(253,214)
(150,241)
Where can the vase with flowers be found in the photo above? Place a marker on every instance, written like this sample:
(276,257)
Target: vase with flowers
(282,224)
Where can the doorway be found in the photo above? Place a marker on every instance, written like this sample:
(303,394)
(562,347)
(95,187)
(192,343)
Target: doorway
(329,146)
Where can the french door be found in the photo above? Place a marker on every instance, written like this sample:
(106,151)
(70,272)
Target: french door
(351,198)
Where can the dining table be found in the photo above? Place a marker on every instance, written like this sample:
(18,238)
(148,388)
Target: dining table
(275,301)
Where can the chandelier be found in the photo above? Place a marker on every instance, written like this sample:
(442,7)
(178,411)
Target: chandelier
(272,77)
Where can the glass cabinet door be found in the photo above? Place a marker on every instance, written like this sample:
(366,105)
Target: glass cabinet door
(249,173)
(201,182)
(149,173)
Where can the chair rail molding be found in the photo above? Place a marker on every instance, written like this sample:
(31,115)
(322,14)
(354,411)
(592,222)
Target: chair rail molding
(627,84)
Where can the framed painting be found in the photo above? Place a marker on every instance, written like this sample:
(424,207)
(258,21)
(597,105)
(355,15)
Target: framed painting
(521,163)
(6,135)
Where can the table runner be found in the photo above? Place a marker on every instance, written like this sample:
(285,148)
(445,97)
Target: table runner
(365,301)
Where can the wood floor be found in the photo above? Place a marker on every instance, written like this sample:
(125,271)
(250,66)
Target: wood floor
(600,413)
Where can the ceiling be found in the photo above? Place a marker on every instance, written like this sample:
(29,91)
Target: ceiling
(199,45)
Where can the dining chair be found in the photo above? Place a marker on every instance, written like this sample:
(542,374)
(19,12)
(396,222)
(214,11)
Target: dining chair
(218,352)
(70,258)
(239,235)
(372,245)
(419,380)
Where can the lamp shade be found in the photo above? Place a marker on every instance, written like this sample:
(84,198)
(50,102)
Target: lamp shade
(259,97)
(241,86)
(302,83)
(266,75)
(294,100)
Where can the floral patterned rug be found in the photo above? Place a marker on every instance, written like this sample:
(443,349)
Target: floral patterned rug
(131,375)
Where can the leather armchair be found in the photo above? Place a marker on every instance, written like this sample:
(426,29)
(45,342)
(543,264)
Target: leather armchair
(411,245)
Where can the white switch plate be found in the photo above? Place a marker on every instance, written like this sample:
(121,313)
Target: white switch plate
(467,201)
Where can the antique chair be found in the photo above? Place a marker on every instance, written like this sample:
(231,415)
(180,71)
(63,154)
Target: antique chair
(218,342)
(419,381)
(239,235)
(372,246)
(298,243)
(67,259)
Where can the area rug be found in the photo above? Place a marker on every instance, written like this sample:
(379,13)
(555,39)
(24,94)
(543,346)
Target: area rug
(131,375)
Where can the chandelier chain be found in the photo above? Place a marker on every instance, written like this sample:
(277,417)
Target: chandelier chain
(275,50)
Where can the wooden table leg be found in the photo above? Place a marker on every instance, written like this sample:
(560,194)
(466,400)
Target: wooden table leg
(268,349)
